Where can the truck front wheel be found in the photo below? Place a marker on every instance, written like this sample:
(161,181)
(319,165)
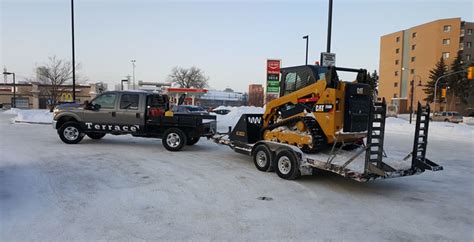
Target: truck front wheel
(174,139)
(71,133)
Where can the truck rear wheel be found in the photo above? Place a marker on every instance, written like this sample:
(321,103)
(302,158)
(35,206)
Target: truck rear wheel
(262,158)
(71,133)
(287,165)
(174,139)
(96,135)
(192,141)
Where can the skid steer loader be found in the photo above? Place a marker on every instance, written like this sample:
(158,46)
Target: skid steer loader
(318,116)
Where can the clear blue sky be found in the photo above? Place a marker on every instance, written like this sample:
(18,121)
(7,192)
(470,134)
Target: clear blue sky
(229,40)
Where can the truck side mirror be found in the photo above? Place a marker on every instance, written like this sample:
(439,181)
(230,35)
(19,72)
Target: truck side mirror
(96,106)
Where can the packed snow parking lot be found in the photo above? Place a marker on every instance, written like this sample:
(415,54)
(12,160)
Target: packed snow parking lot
(126,188)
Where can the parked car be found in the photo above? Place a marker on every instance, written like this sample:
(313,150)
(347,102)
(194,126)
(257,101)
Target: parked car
(189,109)
(448,116)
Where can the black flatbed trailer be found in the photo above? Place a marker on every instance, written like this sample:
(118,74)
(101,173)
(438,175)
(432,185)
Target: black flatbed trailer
(290,162)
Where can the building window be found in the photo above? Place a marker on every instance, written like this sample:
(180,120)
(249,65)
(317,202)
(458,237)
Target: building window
(395,84)
(398,39)
(413,59)
(396,73)
(447,28)
(412,71)
(468,44)
(445,55)
(469,31)
(397,51)
(461,46)
(395,95)
(413,47)
(413,35)
(396,62)
(468,57)
(446,41)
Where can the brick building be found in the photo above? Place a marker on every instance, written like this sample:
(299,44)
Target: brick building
(255,95)
(34,94)
(410,54)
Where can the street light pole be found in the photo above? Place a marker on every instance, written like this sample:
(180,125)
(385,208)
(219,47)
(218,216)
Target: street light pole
(73,55)
(329,27)
(307,43)
(436,84)
(14,91)
(14,87)
(412,83)
(133,66)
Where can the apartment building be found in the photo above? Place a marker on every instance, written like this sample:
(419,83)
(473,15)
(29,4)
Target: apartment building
(409,55)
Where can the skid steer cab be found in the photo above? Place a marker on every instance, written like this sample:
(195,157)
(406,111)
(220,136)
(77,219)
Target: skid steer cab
(322,123)
(138,113)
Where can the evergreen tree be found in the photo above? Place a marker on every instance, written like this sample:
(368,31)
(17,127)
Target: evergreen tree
(370,79)
(458,83)
(439,70)
(373,81)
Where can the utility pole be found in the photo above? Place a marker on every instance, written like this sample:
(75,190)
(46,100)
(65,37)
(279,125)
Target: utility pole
(73,55)
(133,66)
(307,40)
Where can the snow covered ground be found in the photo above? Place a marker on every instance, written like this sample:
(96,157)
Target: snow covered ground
(126,188)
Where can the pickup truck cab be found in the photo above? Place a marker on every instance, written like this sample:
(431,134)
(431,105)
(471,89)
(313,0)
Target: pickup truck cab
(139,113)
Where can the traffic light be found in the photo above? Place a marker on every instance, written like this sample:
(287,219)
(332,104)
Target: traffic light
(470,72)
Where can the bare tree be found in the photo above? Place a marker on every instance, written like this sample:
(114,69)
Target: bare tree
(55,74)
(188,77)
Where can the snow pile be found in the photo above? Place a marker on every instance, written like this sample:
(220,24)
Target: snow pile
(468,120)
(37,116)
(12,111)
(436,129)
(231,119)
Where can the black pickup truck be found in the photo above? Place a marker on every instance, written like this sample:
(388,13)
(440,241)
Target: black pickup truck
(139,113)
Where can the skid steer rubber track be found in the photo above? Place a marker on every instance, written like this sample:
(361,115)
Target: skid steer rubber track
(319,140)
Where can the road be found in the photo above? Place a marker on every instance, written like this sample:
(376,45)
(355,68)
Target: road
(125,188)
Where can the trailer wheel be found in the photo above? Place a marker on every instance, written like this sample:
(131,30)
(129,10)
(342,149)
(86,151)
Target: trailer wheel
(96,135)
(192,141)
(262,158)
(287,165)
(71,132)
(173,139)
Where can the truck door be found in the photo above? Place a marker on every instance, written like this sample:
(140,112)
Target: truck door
(102,112)
(131,111)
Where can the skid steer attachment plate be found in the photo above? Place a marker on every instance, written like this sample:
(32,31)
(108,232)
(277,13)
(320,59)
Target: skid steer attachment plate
(248,129)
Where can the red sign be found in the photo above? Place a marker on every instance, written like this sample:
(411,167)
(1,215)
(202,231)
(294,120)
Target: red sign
(273,67)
